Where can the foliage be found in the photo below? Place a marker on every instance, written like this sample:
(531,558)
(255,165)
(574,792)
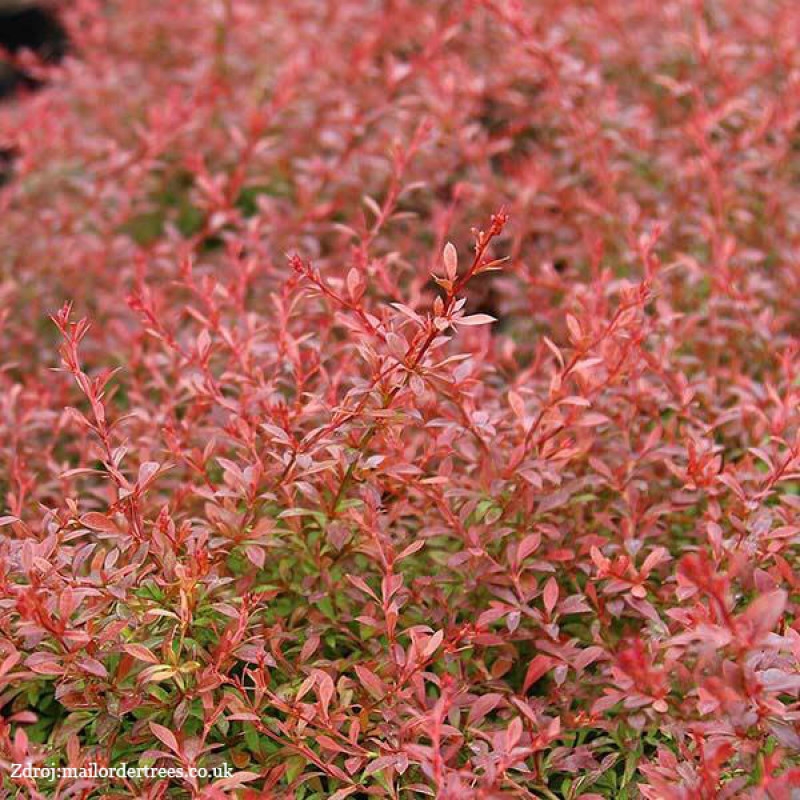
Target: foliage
(363,501)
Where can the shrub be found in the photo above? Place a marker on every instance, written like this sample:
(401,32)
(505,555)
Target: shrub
(401,399)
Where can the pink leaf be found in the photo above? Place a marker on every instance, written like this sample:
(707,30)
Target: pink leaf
(146,472)
(475,319)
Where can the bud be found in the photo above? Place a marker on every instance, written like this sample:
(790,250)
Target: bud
(450,261)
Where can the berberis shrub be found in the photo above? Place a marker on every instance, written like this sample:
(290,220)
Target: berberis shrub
(400,399)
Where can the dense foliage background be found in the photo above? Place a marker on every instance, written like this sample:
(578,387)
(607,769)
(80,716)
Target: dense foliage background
(279,506)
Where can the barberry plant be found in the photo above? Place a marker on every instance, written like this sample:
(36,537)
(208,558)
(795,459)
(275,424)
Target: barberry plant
(400,399)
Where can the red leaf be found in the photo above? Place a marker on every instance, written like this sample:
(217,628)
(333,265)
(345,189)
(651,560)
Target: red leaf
(550,595)
(412,548)
(9,662)
(309,647)
(237,779)
(433,644)
(98,522)
(536,669)
(325,690)
(166,736)
(763,614)
(255,555)
(361,584)
(93,666)
(141,653)
(329,744)
(513,733)
(44,664)
(482,706)
(371,682)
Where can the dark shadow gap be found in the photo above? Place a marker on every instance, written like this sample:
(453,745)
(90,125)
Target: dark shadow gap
(28,27)
(33,28)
